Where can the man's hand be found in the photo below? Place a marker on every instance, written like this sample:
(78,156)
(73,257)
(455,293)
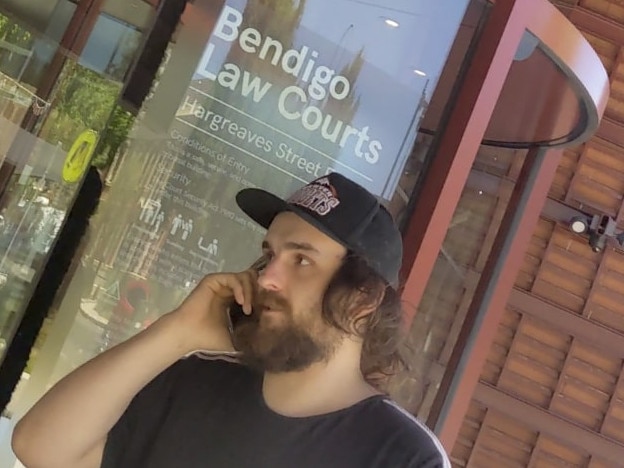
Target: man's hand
(201,321)
(69,425)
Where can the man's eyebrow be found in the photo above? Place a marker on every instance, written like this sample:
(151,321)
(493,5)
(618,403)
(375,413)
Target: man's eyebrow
(304,246)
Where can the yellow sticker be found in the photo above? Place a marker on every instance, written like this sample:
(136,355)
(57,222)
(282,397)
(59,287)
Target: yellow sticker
(79,156)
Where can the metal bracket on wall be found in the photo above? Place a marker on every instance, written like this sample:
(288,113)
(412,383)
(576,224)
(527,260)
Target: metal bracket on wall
(599,228)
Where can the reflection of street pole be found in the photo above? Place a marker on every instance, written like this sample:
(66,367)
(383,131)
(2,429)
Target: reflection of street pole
(335,61)
(73,42)
(58,150)
(424,101)
(412,131)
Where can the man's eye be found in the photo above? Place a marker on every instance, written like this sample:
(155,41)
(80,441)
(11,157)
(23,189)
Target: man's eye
(260,264)
(303,261)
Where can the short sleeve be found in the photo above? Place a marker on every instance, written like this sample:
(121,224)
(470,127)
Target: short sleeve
(439,460)
(131,437)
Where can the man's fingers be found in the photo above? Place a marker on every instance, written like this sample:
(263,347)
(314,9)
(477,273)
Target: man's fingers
(248,281)
(241,286)
(237,289)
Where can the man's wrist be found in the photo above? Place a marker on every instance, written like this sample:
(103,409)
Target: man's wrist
(183,338)
(167,331)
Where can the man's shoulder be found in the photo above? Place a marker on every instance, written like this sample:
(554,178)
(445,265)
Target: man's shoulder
(197,368)
(407,433)
(399,418)
(204,363)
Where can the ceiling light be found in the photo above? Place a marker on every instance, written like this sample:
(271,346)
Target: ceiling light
(579,224)
(420,73)
(391,23)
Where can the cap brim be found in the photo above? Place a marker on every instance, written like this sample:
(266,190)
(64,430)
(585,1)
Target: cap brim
(260,205)
(263,207)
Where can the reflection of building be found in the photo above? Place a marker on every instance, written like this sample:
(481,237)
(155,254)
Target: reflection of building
(516,322)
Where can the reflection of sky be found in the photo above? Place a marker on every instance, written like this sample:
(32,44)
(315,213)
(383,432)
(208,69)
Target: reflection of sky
(353,25)
(388,88)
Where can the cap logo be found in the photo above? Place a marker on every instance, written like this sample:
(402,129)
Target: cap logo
(318,196)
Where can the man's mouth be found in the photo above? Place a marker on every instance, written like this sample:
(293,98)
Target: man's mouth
(270,309)
(271,304)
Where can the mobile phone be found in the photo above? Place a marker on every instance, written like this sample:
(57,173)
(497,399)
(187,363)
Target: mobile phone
(235,309)
(236,315)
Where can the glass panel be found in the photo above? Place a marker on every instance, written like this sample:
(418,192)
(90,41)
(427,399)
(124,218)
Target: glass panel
(45,14)
(28,52)
(342,92)
(40,186)
(316,88)
(451,77)
(475,16)
(37,13)
(46,146)
(456,273)
(112,44)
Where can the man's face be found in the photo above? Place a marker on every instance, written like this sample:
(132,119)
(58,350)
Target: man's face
(286,332)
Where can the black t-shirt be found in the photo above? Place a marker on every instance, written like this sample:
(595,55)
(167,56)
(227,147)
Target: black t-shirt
(201,413)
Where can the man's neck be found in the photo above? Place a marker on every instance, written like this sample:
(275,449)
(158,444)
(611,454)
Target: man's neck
(319,389)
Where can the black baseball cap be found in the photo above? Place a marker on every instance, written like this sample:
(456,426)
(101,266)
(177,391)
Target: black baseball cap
(342,209)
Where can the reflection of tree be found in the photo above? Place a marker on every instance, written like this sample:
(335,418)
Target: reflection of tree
(13,33)
(352,71)
(87,100)
(115,133)
(16,35)
(125,49)
(263,16)
(280,19)
(276,18)
(83,100)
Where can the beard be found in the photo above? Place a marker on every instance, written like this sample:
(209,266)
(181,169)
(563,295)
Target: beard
(283,345)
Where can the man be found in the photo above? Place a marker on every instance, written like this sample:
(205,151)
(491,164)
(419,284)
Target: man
(317,334)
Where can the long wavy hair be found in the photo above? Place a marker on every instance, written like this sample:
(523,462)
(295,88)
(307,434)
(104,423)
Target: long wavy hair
(354,288)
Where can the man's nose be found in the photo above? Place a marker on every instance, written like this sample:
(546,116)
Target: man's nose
(271,277)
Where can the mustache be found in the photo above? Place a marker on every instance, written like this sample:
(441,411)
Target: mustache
(270,300)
